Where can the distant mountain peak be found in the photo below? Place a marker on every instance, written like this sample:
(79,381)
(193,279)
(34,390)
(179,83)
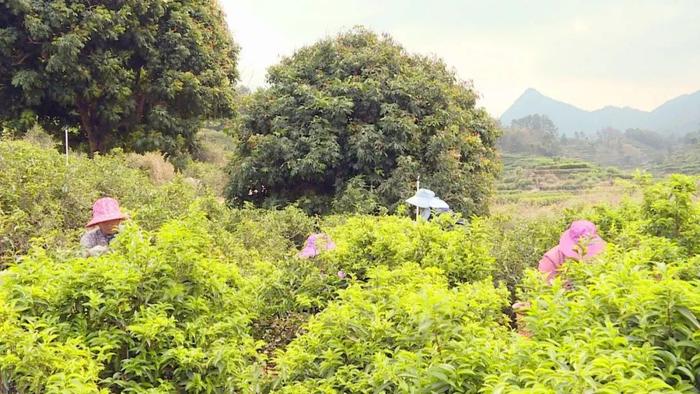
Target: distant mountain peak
(679,115)
(531,92)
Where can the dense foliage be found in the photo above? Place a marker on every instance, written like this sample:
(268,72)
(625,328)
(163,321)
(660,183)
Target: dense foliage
(463,254)
(171,316)
(135,74)
(199,297)
(629,322)
(355,115)
(404,330)
(46,198)
(513,256)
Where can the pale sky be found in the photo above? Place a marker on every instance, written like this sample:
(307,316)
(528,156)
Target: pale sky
(590,53)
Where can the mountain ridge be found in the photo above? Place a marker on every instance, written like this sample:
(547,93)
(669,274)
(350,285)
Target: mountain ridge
(677,116)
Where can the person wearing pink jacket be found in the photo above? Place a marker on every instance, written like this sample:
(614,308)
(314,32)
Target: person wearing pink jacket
(315,244)
(579,242)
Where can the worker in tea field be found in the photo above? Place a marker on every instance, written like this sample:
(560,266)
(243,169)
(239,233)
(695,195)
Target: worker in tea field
(106,217)
(579,242)
(424,200)
(314,244)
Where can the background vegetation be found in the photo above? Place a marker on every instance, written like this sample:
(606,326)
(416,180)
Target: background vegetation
(627,149)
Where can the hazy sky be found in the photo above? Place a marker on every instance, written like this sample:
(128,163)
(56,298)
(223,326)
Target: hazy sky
(589,53)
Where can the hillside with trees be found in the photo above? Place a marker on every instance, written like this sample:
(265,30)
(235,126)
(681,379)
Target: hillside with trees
(674,118)
(537,135)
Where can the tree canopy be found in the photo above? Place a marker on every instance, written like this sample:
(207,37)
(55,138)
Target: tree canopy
(132,73)
(353,120)
(533,134)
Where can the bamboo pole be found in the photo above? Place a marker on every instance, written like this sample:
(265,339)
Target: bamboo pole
(66,134)
(417,188)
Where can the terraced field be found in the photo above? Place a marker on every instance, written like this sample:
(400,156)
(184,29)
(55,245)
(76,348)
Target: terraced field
(685,161)
(543,181)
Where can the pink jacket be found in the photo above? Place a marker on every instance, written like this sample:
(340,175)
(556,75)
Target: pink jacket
(550,263)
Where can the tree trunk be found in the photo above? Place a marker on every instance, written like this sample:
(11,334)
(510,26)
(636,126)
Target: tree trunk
(139,97)
(95,143)
(87,121)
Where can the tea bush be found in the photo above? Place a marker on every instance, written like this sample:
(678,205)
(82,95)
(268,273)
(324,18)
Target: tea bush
(592,360)
(404,330)
(169,316)
(43,197)
(519,244)
(462,252)
(630,321)
(670,211)
(273,233)
(198,297)
(291,291)
(667,213)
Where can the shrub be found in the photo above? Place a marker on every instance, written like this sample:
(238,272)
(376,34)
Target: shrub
(169,316)
(669,209)
(273,233)
(39,137)
(404,330)
(597,359)
(292,290)
(634,321)
(462,252)
(299,285)
(210,175)
(43,198)
(154,164)
(519,243)
(182,305)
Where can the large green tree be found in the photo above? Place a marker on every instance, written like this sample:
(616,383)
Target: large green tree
(133,73)
(353,120)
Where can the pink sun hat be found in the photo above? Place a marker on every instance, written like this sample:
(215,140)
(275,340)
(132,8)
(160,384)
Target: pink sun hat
(104,210)
(581,231)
